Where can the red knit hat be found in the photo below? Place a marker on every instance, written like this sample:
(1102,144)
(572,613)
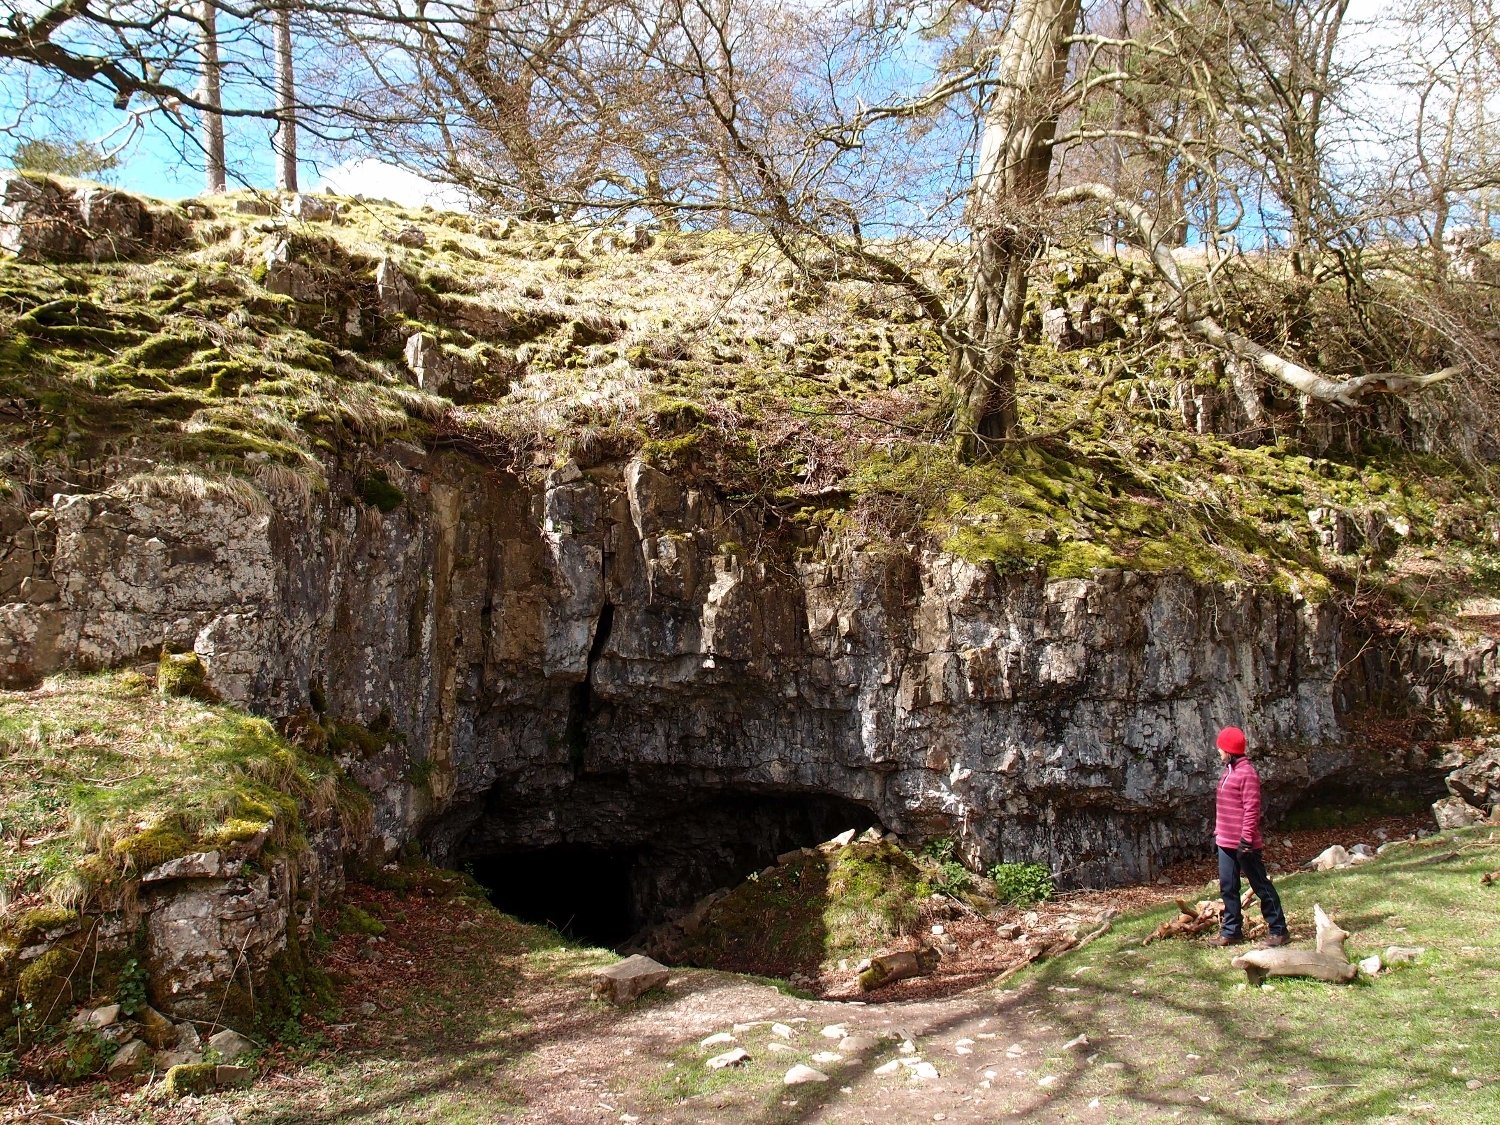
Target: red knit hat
(1232,741)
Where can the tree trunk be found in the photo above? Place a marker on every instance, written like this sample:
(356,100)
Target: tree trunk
(213,123)
(286,103)
(1015,160)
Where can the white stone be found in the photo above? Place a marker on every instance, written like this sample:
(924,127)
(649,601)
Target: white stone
(1080,1041)
(834,1031)
(889,1067)
(827,1057)
(782,1030)
(1370,965)
(925,1070)
(908,1048)
(723,1038)
(729,1058)
(857,1044)
(780,1048)
(842,840)
(800,1075)
(1047,1081)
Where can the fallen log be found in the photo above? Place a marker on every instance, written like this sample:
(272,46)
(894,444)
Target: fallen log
(1329,963)
(1489,879)
(892,967)
(1262,963)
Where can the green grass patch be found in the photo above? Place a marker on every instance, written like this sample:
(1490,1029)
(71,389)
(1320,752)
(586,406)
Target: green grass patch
(1190,1037)
(102,778)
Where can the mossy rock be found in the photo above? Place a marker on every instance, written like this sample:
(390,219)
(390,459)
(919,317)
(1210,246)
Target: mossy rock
(353,920)
(31,925)
(43,982)
(189,1078)
(183,674)
(377,491)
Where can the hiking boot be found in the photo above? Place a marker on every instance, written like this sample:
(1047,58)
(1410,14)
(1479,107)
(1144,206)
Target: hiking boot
(1221,941)
(1276,939)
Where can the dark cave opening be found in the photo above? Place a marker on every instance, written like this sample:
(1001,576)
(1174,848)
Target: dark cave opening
(632,855)
(582,892)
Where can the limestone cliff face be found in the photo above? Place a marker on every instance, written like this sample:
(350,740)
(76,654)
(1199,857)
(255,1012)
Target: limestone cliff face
(614,659)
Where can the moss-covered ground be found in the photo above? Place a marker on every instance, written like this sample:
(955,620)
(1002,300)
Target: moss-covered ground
(816,400)
(104,777)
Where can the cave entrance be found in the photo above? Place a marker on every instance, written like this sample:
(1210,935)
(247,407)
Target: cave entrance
(582,892)
(611,859)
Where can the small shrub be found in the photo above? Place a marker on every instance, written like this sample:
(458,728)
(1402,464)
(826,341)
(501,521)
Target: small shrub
(1022,883)
(130,993)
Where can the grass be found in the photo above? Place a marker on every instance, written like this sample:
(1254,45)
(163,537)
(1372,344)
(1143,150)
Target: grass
(103,777)
(1401,1047)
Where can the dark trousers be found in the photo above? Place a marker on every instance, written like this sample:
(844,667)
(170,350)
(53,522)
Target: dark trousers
(1231,865)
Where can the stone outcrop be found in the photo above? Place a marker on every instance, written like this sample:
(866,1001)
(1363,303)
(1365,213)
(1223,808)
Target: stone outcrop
(42,219)
(595,660)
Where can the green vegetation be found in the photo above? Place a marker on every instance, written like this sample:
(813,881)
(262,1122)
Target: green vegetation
(252,378)
(106,778)
(831,904)
(57,156)
(1022,883)
(1403,1046)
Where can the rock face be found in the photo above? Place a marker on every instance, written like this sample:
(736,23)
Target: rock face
(594,661)
(41,219)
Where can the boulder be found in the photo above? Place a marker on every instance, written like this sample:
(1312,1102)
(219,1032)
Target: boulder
(309,209)
(410,236)
(722,1039)
(1478,783)
(425,360)
(857,1044)
(42,220)
(230,1045)
(1455,812)
(394,292)
(234,1076)
(288,277)
(198,865)
(131,1057)
(252,207)
(158,1031)
(624,981)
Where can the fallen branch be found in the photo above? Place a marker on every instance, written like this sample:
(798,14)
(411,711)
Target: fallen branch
(1346,392)
(1489,879)
(1206,915)
(1048,949)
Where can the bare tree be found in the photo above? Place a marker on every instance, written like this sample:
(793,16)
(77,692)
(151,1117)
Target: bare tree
(216,174)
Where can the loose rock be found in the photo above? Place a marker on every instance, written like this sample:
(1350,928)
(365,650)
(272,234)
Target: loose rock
(721,1039)
(800,1075)
(128,1059)
(230,1045)
(624,981)
(729,1058)
(92,1019)
(857,1044)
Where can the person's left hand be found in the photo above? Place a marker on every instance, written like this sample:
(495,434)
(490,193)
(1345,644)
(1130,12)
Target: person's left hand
(1243,848)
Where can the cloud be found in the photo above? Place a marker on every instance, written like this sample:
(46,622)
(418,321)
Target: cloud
(375,179)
